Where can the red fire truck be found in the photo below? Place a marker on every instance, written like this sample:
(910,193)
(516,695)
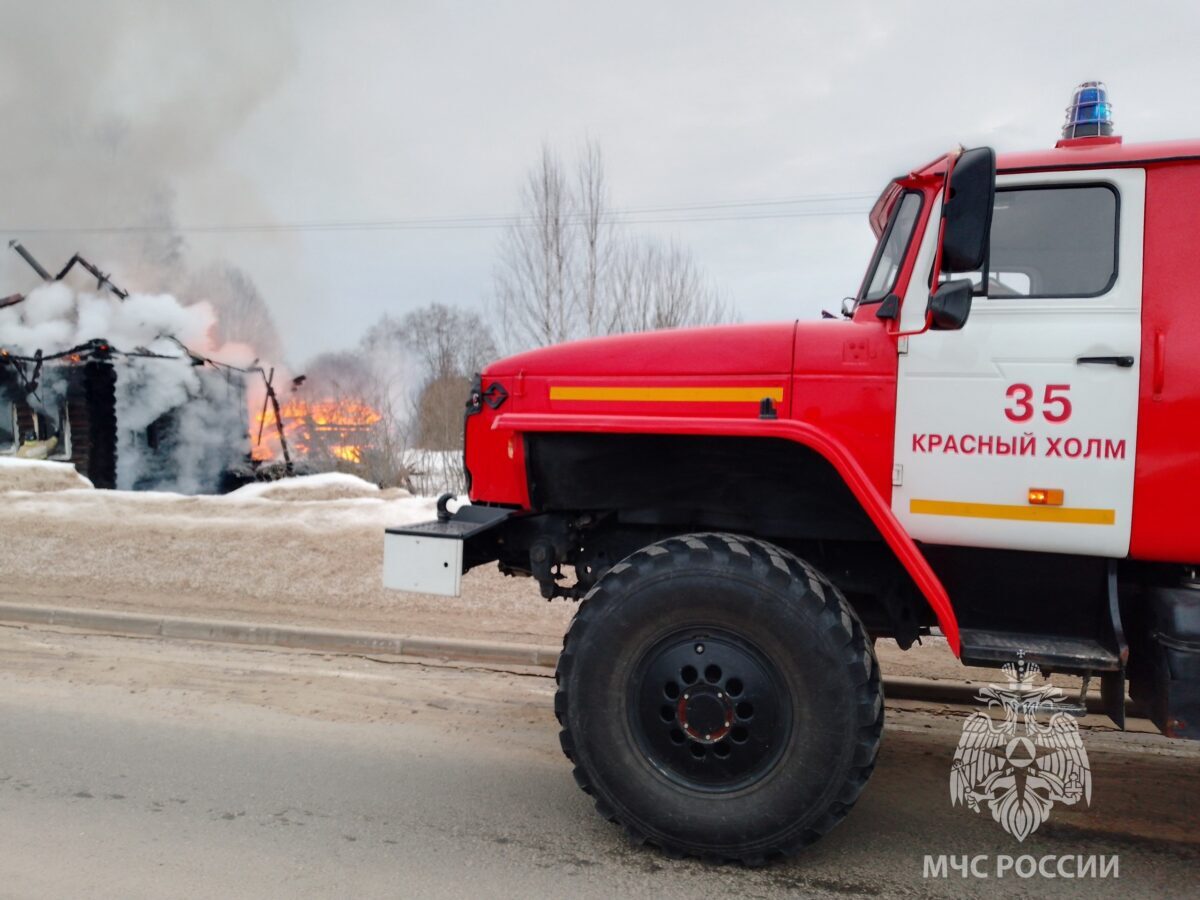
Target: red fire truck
(998,442)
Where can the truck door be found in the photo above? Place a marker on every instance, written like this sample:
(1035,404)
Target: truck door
(1019,431)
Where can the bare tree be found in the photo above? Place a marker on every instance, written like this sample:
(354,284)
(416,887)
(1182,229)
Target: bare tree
(439,413)
(447,346)
(565,273)
(595,229)
(683,295)
(391,372)
(242,313)
(534,280)
(445,340)
(631,286)
(653,286)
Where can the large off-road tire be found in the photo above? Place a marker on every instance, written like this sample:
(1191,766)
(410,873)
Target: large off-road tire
(719,698)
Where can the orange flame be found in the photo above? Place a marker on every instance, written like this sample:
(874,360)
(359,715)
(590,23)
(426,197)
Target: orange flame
(349,453)
(341,428)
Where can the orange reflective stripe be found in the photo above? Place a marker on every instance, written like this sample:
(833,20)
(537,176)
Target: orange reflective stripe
(1066,514)
(668,394)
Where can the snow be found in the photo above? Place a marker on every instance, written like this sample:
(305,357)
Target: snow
(270,552)
(315,502)
(243,553)
(325,486)
(38,476)
(435,471)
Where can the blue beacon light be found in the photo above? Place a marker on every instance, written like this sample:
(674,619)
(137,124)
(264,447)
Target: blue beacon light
(1090,113)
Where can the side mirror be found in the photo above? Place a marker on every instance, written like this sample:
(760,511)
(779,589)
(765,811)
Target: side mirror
(968,211)
(950,305)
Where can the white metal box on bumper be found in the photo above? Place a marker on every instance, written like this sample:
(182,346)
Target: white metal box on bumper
(427,558)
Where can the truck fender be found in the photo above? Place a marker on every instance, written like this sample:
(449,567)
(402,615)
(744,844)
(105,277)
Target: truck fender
(876,508)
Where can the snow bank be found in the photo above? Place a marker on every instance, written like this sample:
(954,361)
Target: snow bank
(38,476)
(326,486)
(242,516)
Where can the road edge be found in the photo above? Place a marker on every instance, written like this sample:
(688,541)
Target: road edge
(327,640)
(268,634)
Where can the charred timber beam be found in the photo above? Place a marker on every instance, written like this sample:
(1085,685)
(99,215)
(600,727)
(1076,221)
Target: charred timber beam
(262,419)
(102,279)
(29,258)
(273,399)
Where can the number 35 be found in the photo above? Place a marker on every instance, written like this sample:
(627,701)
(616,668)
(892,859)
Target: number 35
(1056,406)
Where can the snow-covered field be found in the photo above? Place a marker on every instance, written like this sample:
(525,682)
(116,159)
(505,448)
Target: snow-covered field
(306,550)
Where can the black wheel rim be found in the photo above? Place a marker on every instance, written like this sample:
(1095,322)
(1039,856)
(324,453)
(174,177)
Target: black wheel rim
(709,710)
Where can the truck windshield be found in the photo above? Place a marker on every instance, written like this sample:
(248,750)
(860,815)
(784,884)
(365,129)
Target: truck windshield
(893,245)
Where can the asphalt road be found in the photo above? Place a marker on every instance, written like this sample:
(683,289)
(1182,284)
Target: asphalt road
(140,768)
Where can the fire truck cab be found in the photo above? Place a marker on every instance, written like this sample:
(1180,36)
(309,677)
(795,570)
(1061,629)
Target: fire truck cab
(999,442)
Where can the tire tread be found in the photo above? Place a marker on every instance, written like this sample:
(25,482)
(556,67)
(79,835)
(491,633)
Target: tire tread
(771,563)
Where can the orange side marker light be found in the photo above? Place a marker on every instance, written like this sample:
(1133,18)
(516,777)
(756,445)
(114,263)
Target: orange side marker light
(1046,496)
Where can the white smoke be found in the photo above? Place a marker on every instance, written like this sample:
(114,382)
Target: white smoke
(56,317)
(108,109)
(203,438)
(198,411)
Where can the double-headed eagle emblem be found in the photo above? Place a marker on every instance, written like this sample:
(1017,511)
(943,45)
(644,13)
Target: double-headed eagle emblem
(1020,776)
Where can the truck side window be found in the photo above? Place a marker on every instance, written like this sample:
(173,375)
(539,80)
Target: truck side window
(1058,241)
(893,245)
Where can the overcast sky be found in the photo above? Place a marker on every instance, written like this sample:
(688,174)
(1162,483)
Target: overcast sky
(249,112)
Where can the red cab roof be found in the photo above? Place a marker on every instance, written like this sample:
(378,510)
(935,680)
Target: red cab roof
(1086,153)
(1080,153)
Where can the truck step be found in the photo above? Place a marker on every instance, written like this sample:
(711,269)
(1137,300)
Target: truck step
(1051,652)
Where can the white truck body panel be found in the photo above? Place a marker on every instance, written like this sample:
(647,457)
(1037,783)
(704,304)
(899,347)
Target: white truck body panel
(423,564)
(956,383)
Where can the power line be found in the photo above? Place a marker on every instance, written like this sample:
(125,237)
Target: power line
(813,205)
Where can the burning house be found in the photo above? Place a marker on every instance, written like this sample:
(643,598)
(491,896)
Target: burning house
(83,408)
(108,382)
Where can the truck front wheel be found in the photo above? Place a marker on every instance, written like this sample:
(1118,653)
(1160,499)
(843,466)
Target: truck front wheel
(719,698)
